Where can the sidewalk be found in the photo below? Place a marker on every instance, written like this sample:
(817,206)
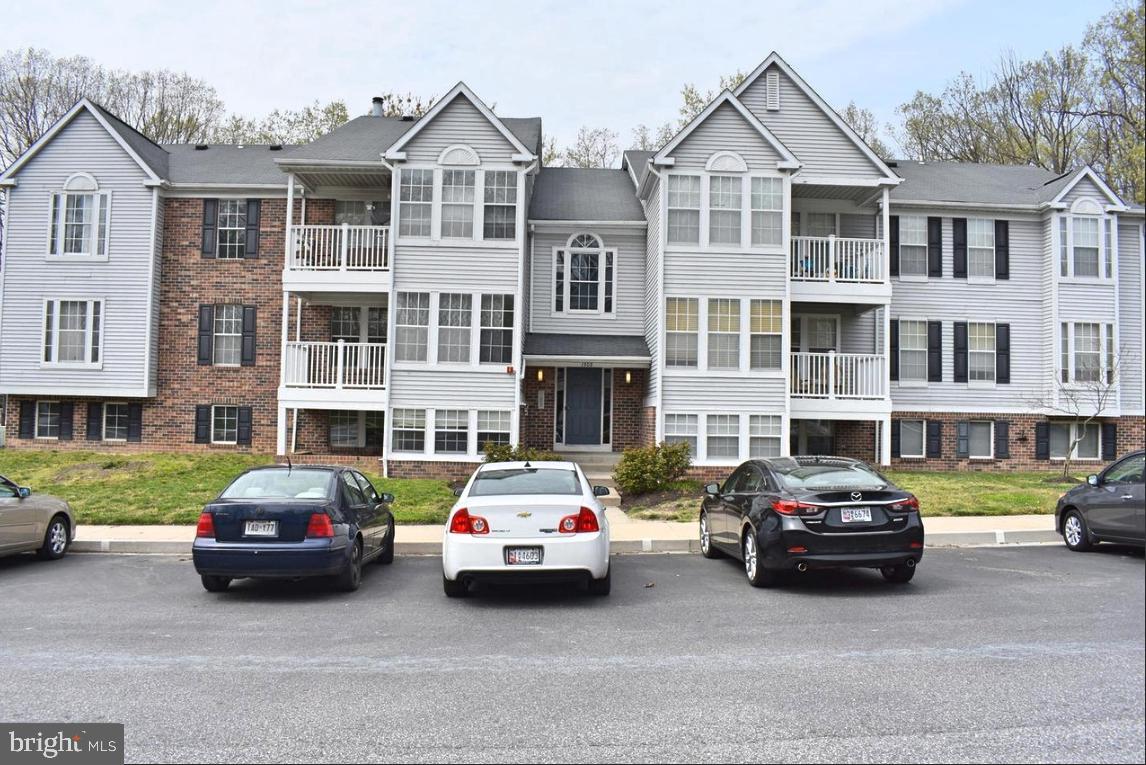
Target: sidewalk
(628,536)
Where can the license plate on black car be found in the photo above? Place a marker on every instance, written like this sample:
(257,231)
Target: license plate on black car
(261,529)
(855,514)
(523,556)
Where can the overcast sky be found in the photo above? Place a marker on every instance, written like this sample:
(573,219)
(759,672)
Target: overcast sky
(572,62)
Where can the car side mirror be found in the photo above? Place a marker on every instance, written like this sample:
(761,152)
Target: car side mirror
(712,489)
(458,491)
(387,497)
(25,492)
(600,491)
(1092,480)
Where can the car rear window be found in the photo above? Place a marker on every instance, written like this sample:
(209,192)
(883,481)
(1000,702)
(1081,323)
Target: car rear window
(512,481)
(279,484)
(825,475)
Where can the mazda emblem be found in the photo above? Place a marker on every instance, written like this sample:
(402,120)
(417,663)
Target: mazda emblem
(856,496)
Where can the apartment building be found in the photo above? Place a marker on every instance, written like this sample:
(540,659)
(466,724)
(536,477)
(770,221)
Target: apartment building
(407,290)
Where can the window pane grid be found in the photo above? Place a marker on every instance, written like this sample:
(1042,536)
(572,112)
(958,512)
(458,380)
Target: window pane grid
(1085,243)
(682,428)
(455,312)
(492,427)
(78,209)
(723,333)
(415,202)
(47,419)
(115,422)
(232,227)
(684,209)
(225,424)
(458,204)
(411,326)
(409,430)
(228,338)
(913,350)
(766,328)
(496,329)
(682,320)
(981,351)
(344,429)
(1087,353)
(725,203)
(723,432)
(451,431)
(500,204)
(912,245)
(764,432)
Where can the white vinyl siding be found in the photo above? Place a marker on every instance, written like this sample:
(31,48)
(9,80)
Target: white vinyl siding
(912,245)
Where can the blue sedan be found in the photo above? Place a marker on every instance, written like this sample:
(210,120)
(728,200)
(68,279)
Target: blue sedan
(292,522)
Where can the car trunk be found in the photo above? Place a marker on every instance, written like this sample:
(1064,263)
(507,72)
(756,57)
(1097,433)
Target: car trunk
(279,521)
(524,517)
(833,521)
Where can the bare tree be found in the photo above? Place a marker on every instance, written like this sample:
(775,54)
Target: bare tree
(550,154)
(286,126)
(867,128)
(647,139)
(594,147)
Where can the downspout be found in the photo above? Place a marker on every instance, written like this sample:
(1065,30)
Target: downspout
(390,247)
(658,429)
(519,316)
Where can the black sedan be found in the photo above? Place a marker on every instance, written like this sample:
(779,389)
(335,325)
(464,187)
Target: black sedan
(292,522)
(799,513)
(1109,507)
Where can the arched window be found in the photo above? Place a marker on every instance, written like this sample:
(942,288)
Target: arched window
(1085,247)
(726,162)
(458,191)
(80,215)
(584,276)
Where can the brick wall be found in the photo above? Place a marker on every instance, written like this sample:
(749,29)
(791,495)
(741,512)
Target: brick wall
(629,416)
(628,409)
(537,424)
(648,425)
(449,471)
(856,439)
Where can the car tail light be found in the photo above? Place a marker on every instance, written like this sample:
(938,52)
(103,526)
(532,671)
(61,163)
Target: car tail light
(916,545)
(464,523)
(909,505)
(792,507)
(798,549)
(206,527)
(584,522)
(319,526)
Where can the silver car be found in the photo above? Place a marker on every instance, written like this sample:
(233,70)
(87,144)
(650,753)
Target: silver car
(28,523)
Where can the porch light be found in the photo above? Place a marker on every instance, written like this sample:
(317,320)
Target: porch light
(628,377)
(540,374)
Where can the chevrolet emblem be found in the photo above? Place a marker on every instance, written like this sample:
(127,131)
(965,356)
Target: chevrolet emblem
(524,515)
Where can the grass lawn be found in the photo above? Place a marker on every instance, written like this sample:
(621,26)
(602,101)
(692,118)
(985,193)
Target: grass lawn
(158,488)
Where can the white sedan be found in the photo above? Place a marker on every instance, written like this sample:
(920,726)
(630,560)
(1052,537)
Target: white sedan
(527,520)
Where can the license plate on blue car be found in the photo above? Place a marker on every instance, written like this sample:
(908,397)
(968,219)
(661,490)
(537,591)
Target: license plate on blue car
(855,514)
(261,529)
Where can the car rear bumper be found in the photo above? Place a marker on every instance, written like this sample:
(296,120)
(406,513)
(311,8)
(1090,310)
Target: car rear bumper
(288,560)
(569,557)
(793,544)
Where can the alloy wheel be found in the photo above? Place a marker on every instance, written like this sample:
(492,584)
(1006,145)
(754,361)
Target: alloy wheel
(57,538)
(704,537)
(1072,530)
(750,556)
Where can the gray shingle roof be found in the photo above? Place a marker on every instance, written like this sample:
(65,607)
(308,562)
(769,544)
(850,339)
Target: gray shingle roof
(971,182)
(152,154)
(527,130)
(224,163)
(638,160)
(608,346)
(576,193)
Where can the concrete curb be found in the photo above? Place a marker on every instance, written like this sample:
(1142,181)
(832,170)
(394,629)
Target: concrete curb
(944,539)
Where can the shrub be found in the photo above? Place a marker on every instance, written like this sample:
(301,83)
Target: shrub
(651,468)
(507,453)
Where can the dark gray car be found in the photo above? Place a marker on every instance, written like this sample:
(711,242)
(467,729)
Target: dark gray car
(1109,507)
(33,522)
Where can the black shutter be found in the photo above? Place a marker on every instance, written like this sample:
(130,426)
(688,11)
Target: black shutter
(244,438)
(894,346)
(203,424)
(1002,250)
(960,351)
(935,248)
(1042,440)
(1002,440)
(135,423)
(27,419)
(959,247)
(934,440)
(962,439)
(895,449)
(206,333)
(252,245)
(934,351)
(67,420)
(1109,440)
(893,243)
(210,218)
(248,359)
(95,421)
(1003,353)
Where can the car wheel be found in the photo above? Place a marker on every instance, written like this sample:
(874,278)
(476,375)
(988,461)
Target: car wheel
(215,583)
(351,576)
(56,539)
(707,549)
(602,586)
(758,576)
(386,557)
(898,574)
(1075,533)
(454,588)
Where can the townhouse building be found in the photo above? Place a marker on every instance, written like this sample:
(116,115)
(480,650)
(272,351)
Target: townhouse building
(407,290)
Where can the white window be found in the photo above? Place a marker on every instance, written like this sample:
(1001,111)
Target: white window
(682,322)
(767,211)
(409,433)
(913,351)
(458,204)
(684,209)
(1108,246)
(415,202)
(343,429)
(818,224)
(723,436)
(1063,247)
(1063,434)
(496,340)
(500,204)
(232,229)
(79,221)
(911,438)
(455,317)
(224,424)
(357,429)
(723,333)
(1085,246)
(72,331)
(764,432)
(47,419)
(411,326)
(492,428)
(228,340)
(1087,353)
(682,428)
(766,344)
(725,202)
(981,441)
(981,248)
(451,431)
(980,352)
(115,422)
(584,273)
(912,245)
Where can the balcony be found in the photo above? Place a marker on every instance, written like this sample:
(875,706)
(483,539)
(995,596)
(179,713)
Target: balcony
(338,257)
(839,268)
(333,375)
(835,382)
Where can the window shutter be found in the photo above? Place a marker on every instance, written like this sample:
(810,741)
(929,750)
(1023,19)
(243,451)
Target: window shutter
(934,351)
(1109,440)
(1002,250)
(244,438)
(27,419)
(1003,353)
(960,351)
(206,333)
(135,422)
(1042,440)
(203,424)
(95,421)
(893,244)
(252,245)
(935,248)
(934,440)
(1002,440)
(895,449)
(959,247)
(894,347)
(248,351)
(67,420)
(962,439)
(210,220)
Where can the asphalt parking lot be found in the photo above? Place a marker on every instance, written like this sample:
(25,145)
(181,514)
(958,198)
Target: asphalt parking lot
(1023,653)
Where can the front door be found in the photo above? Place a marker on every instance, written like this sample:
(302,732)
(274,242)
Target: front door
(582,407)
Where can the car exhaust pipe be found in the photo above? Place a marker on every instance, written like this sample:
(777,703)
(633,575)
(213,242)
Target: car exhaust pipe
(802,567)
(910,563)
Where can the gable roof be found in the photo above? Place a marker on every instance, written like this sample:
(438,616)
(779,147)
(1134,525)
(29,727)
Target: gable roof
(636,161)
(976,183)
(362,139)
(461,90)
(788,161)
(1072,179)
(584,194)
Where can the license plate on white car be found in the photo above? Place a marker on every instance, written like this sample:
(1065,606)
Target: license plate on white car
(855,514)
(523,556)
(261,529)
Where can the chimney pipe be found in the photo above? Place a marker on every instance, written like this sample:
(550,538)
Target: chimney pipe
(376,108)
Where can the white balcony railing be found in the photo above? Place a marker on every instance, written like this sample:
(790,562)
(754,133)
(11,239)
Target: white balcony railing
(839,375)
(335,365)
(339,248)
(838,259)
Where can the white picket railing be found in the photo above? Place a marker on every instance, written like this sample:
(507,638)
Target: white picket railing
(838,375)
(339,248)
(334,365)
(838,259)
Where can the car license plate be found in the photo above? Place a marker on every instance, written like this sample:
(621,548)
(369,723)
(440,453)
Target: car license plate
(523,556)
(855,514)
(261,529)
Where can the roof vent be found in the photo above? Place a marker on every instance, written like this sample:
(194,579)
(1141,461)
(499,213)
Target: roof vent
(376,107)
(276,147)
(892,163)
(407,117)
(201,147)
